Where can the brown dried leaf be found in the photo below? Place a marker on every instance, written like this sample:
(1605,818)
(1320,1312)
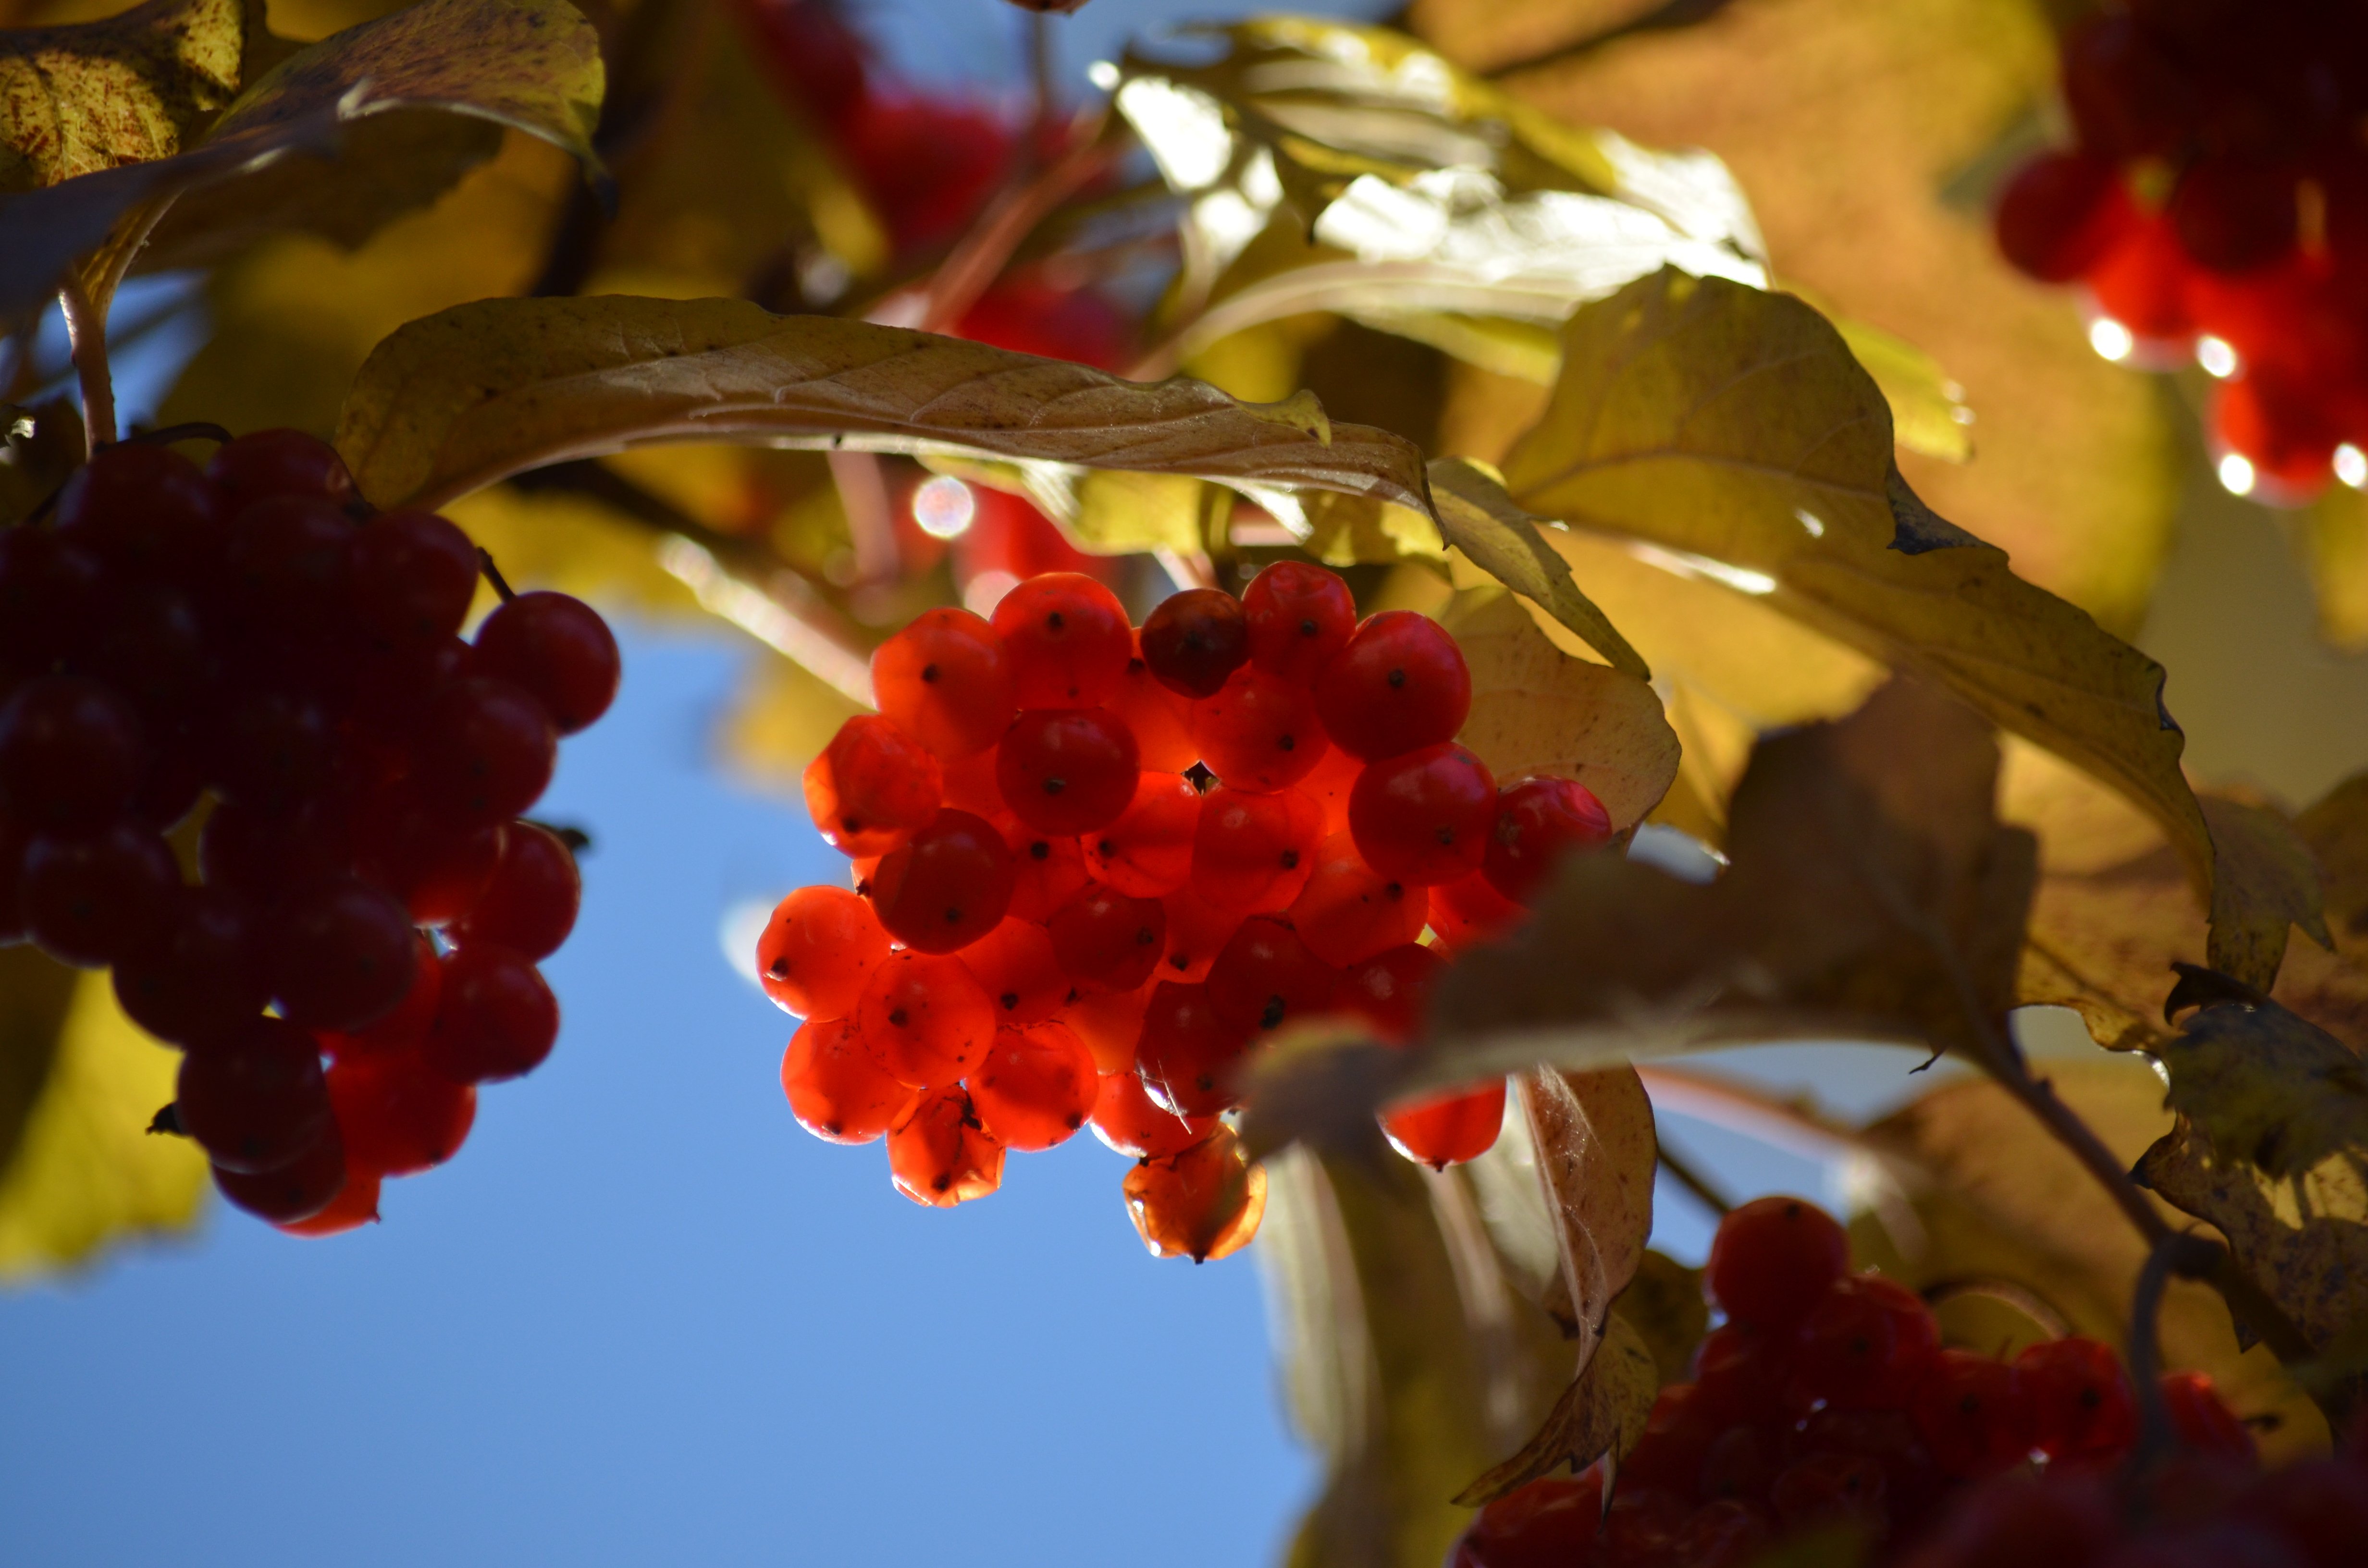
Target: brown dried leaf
(1664,1303)
(2264,881)
(2266,1086)
(1603,1411)
(1597,1150)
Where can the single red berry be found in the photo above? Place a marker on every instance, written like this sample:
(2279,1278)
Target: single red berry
(257,1099)
(1147,852)
(873,787)
(1539,823)
(1299,615)
(1259,733)
(1741,1370)
(1773,1259)
(406,1028)
(946,681)
(1106,940)
(90,900)
(279,463)
(200,975)
(1068,640)
(1186,1054)
(1391,990)
(1127,1122)
(1160,721)
(924,1018)
(938,1153)
(2144,281)
(1399,684)
(1049,870)
(1266,976)
(71,755)
(355,1205)
(1830,1491)
(836,1088)
(1974,1414)
(949,887)
(2203,1421)
(340,955)
(1254,852)
(291,1194)
(1446,1130)
(1203,1203)
(2285,432)
(1197,932)
(1020,971)
(288,566)
(1549,1523)
(48,591)
(1349,912)
(1425,817)
(1035,1087)
(818,951)
(529,905)
(395,1114)
(147,642)
(487,751)
(145,510)
(1679,1431)
(2082,1407)
(1109,1022)
(496,1018)
(2060,214)
(557,649)
(1067,771)
(1470,911)
(1194,639)
(415,574)
(1863,1345)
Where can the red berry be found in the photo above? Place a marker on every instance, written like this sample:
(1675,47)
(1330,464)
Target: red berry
(1299,616)
(939,1156)
(926,1019)
(279,463)
(1204,1203)
(946,681)
(290,1194)
(1147,852)
(2234,215)
(1679,1432)
(1974,1414)
(1186,1054)
(265,859)
(439,868)
(1399,684)
(1550,1523)
(497,1018)
(200,975)
(1106,940)
(556,648)
(2203,1422)
(288,566)
(340,955)
(69,755)
(1349,912)
(147,642)
(1048,869)
(415,574)
(355,1205)
(1538,821)
(1835,1491)
(1127,1121)
(1253,852)
(1016,965)
(1266,977)
(530,907)
(1863,1346)
(1068,640)
(2287,432)
(1258,734)
(395,1116)
(873,787)
(255,1100)
(1110,1022)
(1391,990)
(970,785)
(1160,721)
(1197,933)
(89,900)
(2082,1408)
(949,887)
(1330,785)
(1425,817)
(1740,1370)
(145,510)
(406,1028)
(1446,1130)
(2142,281)
(1642,1525)
(2319,1508)
(2060,213)
(1035,1086)
(1773,1259)
(47,591)
(818,949)
(1194,639)
(2060,1522)
(1067,771)
(487,751)
(2127,95)
(1470,909)
(836,1088)
(271,750)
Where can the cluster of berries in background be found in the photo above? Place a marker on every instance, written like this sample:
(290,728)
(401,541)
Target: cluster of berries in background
(2215,209)
(1824,1405)
(248,763)
(1095,866)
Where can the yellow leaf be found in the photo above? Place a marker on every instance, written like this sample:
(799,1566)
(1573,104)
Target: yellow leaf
(1597,1150)
(1603,1412)
(2267,1088)
(1481,520)
(133,87)
(2335,539)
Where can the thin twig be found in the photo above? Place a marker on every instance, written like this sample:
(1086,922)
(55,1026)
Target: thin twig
(1694,1182)
(979,258)
(493,576)
(871,521)
(2192,1258)
(86,332)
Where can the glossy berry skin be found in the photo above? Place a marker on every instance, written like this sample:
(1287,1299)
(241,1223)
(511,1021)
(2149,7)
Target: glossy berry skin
(939,1156)
(257,1099)
(290,1194)
(1160,721)
(397,1117)
(1203,1203)
(496,1017)
(1106,940)
(406,1028)
(1068,640)
(529,904)
(1539,823)
(558,649)
(1330,784)
(836,1089)
(2082,1407)
(1399,684)
(947,888)
(1017,968)
(1349,912)
(1470,909)
(1067,771)
(340,955)
(1035,1087)
(355,1205)
(970,785)
(279,463)
(414,576)
(2059,215)
(1773,1259)
(1253,852)
(1265,977)
(1974,1414)
(1111,1024)
(200,975)
(1258,734)
(1188,1052)
(946,680)
(1147,852)
(1863,1345)
(145,510)
(487,751)
(1197,933)
(924,1019)
(2203,1421)
(89,900)
(1127,1122)
(1424,817)
(1549,1523)
(1391,990)
(1449,1129)
(1194,639)
(1048,869)
(71,755)
(1299,616)
(873,787)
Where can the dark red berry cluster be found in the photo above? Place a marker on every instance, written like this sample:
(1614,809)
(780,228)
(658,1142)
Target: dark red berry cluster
(246,654)
(1096,865)
(2216,207)
(1826,1403)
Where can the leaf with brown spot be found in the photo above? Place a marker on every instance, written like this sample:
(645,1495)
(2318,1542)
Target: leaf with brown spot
(2266,1086)
(129,88)
(2264,881)
(1596,1153)
(1603,1412)
(2336,828)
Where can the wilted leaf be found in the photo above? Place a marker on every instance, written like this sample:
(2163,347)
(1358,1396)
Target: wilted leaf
(127,89)
(1481,520)
(1535,710)
(1664,1303)
(1732,429)
(2265,1087)
(1603,1412)
(2263,879)
(1597,1151)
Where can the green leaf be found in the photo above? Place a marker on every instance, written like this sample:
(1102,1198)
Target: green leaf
(1730,433)
(130,88)
(1481,520)
(483,390)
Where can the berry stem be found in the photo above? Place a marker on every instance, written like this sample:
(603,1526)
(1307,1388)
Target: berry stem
(1693,1181)
(494,574)
(2190,1257)
(87,337)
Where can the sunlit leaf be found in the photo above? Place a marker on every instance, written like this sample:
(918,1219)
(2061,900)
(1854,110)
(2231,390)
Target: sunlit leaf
(126,89)
(1597,1152)
(1603,1412)
(1481,520)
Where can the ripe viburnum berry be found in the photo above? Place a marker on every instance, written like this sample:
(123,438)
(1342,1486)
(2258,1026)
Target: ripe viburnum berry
(818,950)
(2082,1408)
(71,755)
(836,1088)
(1067,639)
(407,1025)
(1109,1022)
(397,1117)
(1538,821)
(487,751)
(1048,869)
(1863,1345)
(1266,976)
(530,903)
(257,1099)
(1390,990)
(938,1153)
(1447,1129)
(558,648)
(1128,1121)
(262,463)
(1016,965)
(354,1206)
(496,1017)
(2060,213)
(1773,1259)
(415,573)
(1035,1086)
(1425,816)
(1197,932)
(1348,911)
(1160,721)
(2203,1421)
(1299,615)
(947,888)
(1203,1203)
(946,681)
(1331,783)
(1549,1523)
(1107,941)
(1188,1052)
(1195,640)
(1399,684)
(341,955)
(970,785)
(873,787)
(2235,213)
(1147,852)
(91,900)
(200,975)
(1258,732)
(292,1192)
(1974,1414)
(925,1018)
(145,511)
(1067,771)
(1253,852)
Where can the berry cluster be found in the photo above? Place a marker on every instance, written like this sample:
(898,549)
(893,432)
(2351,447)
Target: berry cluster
(1096,865)
(242,657)
(1826,1403)
(2216,207)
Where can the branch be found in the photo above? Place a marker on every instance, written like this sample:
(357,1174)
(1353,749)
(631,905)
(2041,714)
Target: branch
(86,334)
(974,263)
(1693,1181)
